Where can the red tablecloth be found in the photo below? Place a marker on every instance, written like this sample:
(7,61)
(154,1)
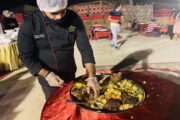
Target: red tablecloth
(99,31)
(162,102)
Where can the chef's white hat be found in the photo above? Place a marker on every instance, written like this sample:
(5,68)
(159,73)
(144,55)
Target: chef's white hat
(52,5)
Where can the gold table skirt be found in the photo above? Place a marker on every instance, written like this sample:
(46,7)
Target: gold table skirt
(9,59)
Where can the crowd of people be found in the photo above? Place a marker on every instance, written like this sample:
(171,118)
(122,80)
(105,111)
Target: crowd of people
(152,29)
(173,26)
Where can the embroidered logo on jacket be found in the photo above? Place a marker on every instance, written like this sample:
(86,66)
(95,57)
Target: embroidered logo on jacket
(39,36)
(72,28)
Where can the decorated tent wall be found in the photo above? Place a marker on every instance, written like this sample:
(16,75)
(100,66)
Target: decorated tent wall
(92,10)
(9,4)
(164,9)
(140,12)
(96,9)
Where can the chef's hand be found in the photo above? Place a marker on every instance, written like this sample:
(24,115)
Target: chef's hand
(92,83)
(54,80)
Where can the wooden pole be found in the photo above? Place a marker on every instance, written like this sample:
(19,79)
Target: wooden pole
(101,7)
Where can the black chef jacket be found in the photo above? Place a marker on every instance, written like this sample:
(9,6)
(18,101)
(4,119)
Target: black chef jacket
(35,49)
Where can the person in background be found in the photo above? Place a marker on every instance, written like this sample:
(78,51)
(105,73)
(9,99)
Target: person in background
(176,28)
(171,22)
(46,42)
(152,28)
(1,30)
(115,21)
(9,21)
(129,24)
(134,25)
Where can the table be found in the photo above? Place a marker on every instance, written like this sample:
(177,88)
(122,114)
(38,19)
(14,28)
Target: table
(9,59)
(99,31)
(162,102)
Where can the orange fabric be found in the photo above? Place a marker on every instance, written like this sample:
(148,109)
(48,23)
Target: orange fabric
(163,30)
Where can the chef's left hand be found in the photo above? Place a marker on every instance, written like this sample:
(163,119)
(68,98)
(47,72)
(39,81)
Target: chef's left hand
(92,83)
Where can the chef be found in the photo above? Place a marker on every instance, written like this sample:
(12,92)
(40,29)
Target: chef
(46,46)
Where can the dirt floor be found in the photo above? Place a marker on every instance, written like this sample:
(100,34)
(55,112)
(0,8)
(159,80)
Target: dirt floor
(21,97)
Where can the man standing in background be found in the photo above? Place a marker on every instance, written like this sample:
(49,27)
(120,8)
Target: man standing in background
(9,21)
(115,22)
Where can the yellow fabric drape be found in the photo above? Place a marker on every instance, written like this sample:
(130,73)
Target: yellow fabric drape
(9,59)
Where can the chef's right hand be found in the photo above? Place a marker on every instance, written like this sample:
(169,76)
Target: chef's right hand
(92,83)
(54,80)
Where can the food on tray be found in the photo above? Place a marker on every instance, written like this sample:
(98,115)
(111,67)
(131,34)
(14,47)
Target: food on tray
(116,94)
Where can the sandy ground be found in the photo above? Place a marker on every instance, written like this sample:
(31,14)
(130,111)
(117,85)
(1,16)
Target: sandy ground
(21,97)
